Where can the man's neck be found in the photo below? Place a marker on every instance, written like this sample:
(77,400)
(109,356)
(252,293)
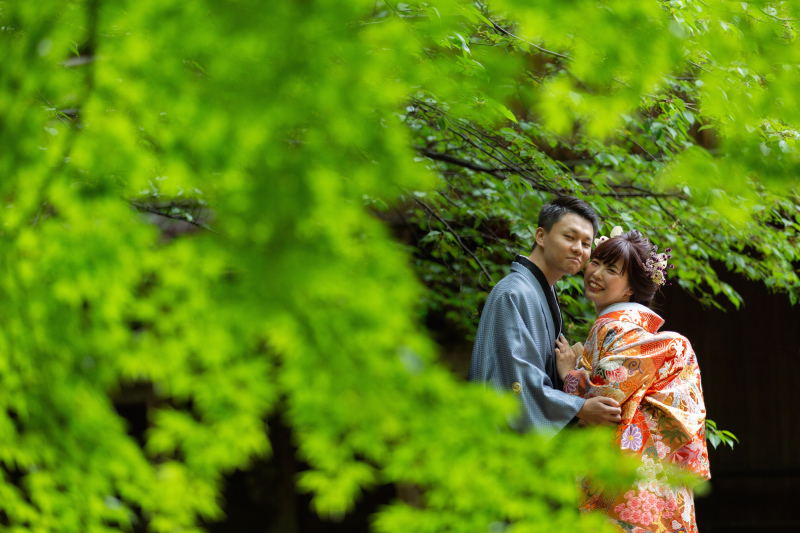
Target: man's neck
(537,258)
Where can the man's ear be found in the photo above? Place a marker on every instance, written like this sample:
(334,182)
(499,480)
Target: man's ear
(540,233)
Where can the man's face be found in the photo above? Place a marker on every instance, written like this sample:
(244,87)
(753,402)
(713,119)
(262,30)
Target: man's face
(568,244)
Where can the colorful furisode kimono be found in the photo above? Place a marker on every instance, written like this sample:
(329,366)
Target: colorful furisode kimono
(655,378)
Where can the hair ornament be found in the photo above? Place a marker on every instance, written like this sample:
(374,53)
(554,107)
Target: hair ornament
(616,232)
(656,265)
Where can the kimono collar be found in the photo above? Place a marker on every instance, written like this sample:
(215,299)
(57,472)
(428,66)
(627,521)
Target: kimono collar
(634,313)
(549,291)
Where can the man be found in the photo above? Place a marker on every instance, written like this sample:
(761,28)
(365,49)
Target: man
(514,346)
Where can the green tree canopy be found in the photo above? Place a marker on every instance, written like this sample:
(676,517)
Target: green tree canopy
(665,116)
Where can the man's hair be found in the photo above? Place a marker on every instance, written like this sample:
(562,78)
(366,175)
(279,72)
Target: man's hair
(555,209)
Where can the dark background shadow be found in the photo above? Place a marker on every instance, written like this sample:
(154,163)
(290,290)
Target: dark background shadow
(751,383)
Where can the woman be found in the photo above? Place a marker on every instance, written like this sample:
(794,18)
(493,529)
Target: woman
(655,378)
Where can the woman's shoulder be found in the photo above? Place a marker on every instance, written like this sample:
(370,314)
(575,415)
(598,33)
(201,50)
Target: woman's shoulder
(613,322)
(614,332)
(637,315)
(678,343)
(673,337)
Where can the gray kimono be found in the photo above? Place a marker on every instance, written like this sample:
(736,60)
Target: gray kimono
(514,350)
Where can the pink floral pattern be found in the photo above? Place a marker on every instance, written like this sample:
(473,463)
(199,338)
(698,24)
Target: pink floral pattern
(662,449)
(646,509)
(618,375)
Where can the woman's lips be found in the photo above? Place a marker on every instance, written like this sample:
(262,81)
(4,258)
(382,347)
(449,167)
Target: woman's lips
(594,286)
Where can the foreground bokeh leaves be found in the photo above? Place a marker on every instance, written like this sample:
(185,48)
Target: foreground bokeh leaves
(257,131)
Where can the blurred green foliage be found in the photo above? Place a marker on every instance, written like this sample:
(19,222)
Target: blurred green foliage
(189,196)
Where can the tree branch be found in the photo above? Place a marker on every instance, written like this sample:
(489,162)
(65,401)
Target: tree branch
(438,156)
(454,234)
(541,49)
(164,212)
(654,158)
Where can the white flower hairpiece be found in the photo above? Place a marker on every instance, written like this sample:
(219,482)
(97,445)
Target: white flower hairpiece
(616,232)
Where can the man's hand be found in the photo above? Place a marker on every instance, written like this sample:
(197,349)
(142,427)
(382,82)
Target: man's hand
(600,411)
(565,357)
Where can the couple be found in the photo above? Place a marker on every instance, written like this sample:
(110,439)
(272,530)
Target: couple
(644,382)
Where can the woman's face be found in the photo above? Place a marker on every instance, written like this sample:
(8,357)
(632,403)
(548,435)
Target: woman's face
(604,285)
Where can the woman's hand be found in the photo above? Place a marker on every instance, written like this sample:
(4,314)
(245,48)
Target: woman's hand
(566,357)
(578,349)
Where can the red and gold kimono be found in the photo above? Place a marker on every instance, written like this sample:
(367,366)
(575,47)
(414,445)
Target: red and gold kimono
(655,378)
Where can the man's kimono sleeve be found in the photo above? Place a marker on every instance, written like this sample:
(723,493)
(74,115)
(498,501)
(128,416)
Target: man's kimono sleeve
(512,355)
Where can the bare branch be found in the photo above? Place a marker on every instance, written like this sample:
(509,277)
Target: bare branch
(438,156)
(463,246)
(541,49)
(165,211)
(654,158)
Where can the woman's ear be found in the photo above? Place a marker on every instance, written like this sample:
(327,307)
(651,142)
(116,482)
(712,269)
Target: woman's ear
(629,292)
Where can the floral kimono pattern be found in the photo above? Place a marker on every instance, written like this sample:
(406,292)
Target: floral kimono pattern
(655,378)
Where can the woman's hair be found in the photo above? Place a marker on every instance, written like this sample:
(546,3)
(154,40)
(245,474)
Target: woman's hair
(634,250)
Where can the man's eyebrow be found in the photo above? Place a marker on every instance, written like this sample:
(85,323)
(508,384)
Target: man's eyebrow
(573,230)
